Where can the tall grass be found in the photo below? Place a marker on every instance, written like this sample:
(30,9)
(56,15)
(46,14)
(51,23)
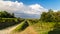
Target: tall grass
(43,27)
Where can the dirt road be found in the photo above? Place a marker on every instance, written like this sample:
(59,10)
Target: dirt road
(8,30)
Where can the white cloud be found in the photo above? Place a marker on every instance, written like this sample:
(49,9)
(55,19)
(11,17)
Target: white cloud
(36,6)
(55,10)
(19,7)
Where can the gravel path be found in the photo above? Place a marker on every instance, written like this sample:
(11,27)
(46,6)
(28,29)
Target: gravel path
(8,30)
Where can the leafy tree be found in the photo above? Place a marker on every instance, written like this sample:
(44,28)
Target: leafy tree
(4,14)
(50,16)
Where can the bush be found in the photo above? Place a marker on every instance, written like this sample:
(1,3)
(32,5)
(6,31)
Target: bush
(56,29)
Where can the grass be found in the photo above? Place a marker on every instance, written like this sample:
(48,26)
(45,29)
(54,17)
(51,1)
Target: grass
(39,27)
(56,29)
(21,26)
(43,27)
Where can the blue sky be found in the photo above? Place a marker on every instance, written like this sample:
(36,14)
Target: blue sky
(48,4)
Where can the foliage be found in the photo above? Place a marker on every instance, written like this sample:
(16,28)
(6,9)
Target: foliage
(43,27)
(56,29)
(32,21)
(50,16)
(5,14)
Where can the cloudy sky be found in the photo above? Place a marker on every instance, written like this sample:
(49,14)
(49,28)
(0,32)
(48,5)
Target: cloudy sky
(28,8)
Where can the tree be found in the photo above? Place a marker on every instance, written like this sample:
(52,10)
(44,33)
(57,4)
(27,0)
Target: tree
(5,14)
(50,16)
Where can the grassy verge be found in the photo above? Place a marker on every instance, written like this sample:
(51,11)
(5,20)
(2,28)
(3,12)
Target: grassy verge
(43,27)
(21,26)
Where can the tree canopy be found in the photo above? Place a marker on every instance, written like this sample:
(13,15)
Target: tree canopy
(50,16)
(5,14)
